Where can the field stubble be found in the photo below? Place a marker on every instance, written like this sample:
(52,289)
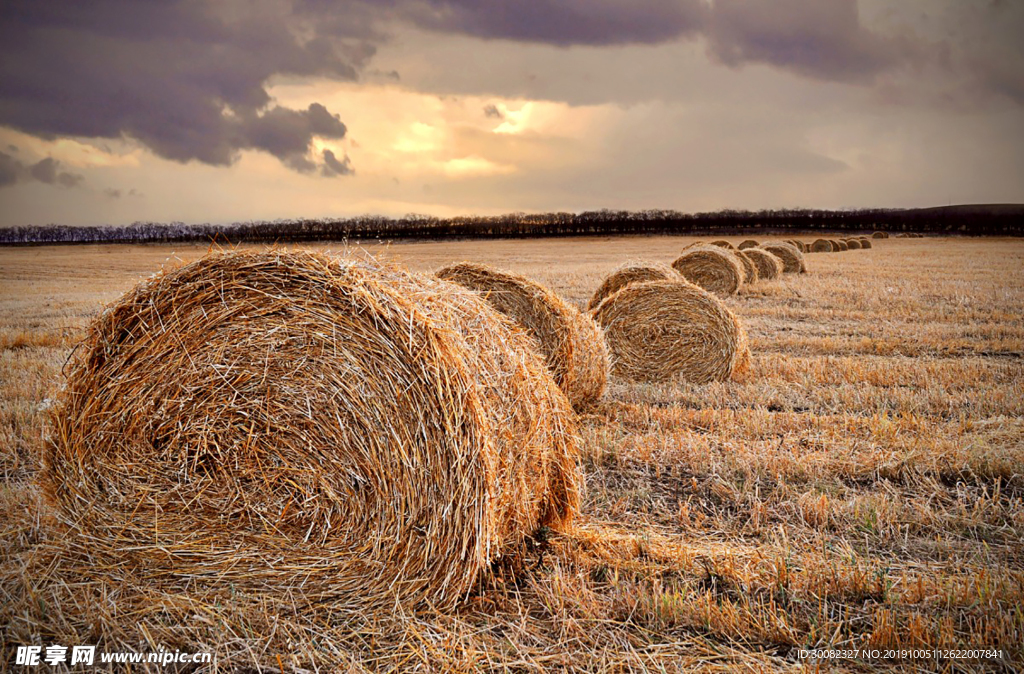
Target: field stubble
(862,487)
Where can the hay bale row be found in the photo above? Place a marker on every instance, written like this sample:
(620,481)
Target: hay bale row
(570,341)
(712,268)
(324,430)
(792,259)
(769,266)
(659,330)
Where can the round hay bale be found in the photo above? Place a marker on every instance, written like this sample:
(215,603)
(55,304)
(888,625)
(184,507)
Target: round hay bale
(879,235)
(324,430)
(838,246)
(799,245)
(631,273)
(792,259)
(570,341)
(713,269)
(722,243)
(769,267)
(749,243)
(662,330)
(821,246)
(864,242)
(749,268)
(852,244)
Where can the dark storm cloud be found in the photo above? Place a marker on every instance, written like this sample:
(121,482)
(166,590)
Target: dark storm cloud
(187,79)
(823,39)
(47,171)
(563,22)
(333,167)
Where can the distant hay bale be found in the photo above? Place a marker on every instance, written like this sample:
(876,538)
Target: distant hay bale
(838,246)
(570,341)
(722,243)
(713,269)
(799,245)
(631,273)
(662,330)
(864,242)
(749,268)
(852,244)
(821,246)
(310,428)
(792,259)
(879,235)
(769,266)
(749,243)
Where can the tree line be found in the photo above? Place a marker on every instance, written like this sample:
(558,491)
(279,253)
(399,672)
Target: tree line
(972,221)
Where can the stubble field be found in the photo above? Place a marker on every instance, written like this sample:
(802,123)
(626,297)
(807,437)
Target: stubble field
(862,488)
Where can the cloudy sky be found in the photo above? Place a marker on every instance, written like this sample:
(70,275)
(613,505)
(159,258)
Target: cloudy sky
(113,111)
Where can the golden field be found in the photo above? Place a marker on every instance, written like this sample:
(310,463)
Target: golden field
(862,487)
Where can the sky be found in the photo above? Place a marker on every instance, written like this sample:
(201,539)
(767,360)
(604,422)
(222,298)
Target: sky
(115,111)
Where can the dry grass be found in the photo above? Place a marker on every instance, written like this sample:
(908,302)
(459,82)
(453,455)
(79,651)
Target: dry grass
(715,269)
(861,487)
(570,341)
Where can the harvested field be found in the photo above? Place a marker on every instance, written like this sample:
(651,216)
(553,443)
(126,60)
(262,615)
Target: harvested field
(861,487)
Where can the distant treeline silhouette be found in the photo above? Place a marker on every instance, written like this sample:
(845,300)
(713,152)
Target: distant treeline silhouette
(992,220)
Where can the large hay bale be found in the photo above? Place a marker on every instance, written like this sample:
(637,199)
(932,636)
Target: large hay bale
(722,243)
(749,243)
(821,246)
(864,242)
(769,267)
(662,330)
(749,268)
(634,272)
(879,235)
(792,259)
(322,430)
(714,269)
(570,341)
(852,244)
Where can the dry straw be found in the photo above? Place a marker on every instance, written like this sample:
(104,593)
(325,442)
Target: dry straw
(749,268)
(312,430)
(569,340)
(792,259)
(662,330)
(769,267)
(714,269)
(633,272)
(749,243)
(821,246)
